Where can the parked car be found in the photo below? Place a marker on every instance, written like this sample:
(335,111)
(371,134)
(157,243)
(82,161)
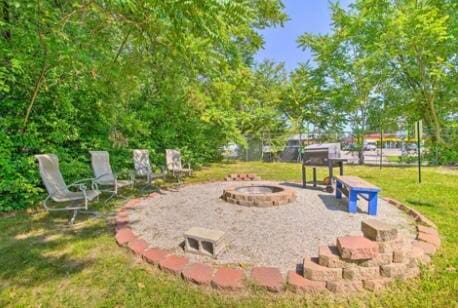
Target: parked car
(411,147)
(370,147)
(350,147)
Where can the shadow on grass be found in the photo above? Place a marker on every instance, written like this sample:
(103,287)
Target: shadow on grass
(420,203)
(38,248)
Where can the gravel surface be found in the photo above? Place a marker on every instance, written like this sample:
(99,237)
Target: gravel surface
(274,236)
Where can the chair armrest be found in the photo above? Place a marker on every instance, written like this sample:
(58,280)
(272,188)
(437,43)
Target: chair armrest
(105,174)
(92,182)
(80,186)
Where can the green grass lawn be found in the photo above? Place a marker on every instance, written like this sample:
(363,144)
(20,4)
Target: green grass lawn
(44,262)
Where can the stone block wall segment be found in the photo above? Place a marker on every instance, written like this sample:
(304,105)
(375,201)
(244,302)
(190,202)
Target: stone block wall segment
(378,231)
(394,270)
(298,283)
(357,248)
(390,246)
(344,286)
(376,284)
(316,272)
(361,273)
(381,259)
(329,256)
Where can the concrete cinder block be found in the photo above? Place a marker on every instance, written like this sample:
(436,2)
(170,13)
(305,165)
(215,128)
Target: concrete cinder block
(204,241)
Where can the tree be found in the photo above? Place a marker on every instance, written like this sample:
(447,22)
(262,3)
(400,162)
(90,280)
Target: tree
(350,76)
(395,58)
(305,102)
(115,75)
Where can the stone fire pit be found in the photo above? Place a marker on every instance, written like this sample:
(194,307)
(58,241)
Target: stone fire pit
(313,243)
(259,195)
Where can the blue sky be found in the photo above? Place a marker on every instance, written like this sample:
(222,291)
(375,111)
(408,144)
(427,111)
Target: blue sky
(305,16)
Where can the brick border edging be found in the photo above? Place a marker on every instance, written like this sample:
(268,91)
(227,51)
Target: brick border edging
(242,177)
(411,212)
(269,278)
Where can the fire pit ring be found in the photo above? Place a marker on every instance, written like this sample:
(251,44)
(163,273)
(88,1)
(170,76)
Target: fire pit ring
(261,195)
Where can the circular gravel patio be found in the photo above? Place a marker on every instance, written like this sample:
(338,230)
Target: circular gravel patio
(274,236)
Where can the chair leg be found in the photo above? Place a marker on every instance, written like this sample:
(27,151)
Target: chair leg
(72,219)
(113,194)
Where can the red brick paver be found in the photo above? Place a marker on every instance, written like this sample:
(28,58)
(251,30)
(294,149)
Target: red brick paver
(122,219)
(121,225)
(429,238)
(428,230)
(268,277)
(227,278)
(122,213)
(357,248)
(132,203)
(428,248)
(173,264)
(155,255)
(124,236)
(198,273)
(137,246)
(299,283)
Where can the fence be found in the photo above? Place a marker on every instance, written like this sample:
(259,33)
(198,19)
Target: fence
(389,148)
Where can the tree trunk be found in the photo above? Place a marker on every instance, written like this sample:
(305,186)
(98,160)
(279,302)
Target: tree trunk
(435,124)
(36,90)
(6,19)
(361,152)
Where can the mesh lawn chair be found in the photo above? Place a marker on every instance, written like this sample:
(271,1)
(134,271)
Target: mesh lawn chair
(104,176)
(59,192)
(143,168)
(173,160)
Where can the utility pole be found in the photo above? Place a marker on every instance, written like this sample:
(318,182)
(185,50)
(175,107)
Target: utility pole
(418,133)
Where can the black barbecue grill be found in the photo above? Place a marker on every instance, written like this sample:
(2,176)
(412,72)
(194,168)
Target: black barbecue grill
(322,155)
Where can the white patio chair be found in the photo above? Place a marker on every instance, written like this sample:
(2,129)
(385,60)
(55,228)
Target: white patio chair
(59,192)
(104,176)
(174,165)
(143,167)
